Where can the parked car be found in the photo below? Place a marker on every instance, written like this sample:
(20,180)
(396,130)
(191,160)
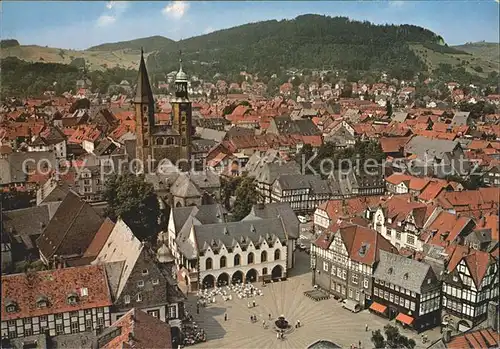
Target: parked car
(351,305)
(302,219)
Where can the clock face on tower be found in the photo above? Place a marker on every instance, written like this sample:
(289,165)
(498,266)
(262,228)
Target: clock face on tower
(181,88)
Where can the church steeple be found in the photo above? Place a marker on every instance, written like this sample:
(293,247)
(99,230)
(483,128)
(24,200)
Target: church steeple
(144,104)
(181,81)
(143,93)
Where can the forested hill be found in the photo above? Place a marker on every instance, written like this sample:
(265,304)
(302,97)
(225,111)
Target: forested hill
(149,44)
(308,41)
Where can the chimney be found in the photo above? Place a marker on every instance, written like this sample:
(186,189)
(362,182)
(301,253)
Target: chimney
(492,315)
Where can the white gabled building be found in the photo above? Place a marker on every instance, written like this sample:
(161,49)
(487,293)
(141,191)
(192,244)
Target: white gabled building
(56,302)
(245,251)
(470,282)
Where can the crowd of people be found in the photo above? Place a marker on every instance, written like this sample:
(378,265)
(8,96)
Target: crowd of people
(193,334)
(208,296)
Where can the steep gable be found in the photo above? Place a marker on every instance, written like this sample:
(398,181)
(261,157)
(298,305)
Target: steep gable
(71,229)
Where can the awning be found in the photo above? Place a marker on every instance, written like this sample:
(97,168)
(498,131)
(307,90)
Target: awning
(379,308)
(404,319)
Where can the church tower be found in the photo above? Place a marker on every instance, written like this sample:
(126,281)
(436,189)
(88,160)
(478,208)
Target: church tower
(144,114)
(181,117)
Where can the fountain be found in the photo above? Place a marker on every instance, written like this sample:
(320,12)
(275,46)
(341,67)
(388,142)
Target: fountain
(282,323)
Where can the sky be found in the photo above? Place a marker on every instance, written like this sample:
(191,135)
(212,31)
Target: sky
(81,24)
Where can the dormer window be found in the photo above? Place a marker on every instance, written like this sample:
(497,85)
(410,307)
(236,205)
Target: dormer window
(42,302)
(72,298)
(405,276)
(389,271)
(145,272)
(10,306)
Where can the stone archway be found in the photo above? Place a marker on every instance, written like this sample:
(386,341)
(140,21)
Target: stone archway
(223,279)
(237,277)
(251,276)
(208,281)
(277,272)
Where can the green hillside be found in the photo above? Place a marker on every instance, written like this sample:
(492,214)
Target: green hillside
(489,51)
(308,41)
(149,44)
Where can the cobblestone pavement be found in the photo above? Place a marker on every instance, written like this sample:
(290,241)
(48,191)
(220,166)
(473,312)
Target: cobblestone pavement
(320,320)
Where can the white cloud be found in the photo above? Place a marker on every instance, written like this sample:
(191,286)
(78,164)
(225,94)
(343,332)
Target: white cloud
(114,10)
(176,9)
(105,20)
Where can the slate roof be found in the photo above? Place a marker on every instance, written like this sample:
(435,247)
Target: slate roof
(24,224)
(242,233)
(55,285)
(286,126)
(105,147)
(419,145)
(403,272)
(183,187)
(11,167)
(269,172)
(193,184)
(202,145)
(52,135)
(204,214)
(460,118)
(259,158)
(71,229)
(399,116)
(210,134)
(277,210)
(299,181)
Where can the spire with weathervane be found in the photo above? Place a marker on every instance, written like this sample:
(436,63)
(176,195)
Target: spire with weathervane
(181,81)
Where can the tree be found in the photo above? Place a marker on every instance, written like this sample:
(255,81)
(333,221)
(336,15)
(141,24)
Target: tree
(228,189)
(130,198)
(378,339)
(393,339)
(388,108)
(304,155)
(246,197)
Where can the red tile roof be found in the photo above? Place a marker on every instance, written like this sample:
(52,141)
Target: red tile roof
(55,285)
(393,144)
(362,244)
(85,133)
(477,261)
(140,331)
(490,222)
(477,339)
(446,228)
(100,238)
